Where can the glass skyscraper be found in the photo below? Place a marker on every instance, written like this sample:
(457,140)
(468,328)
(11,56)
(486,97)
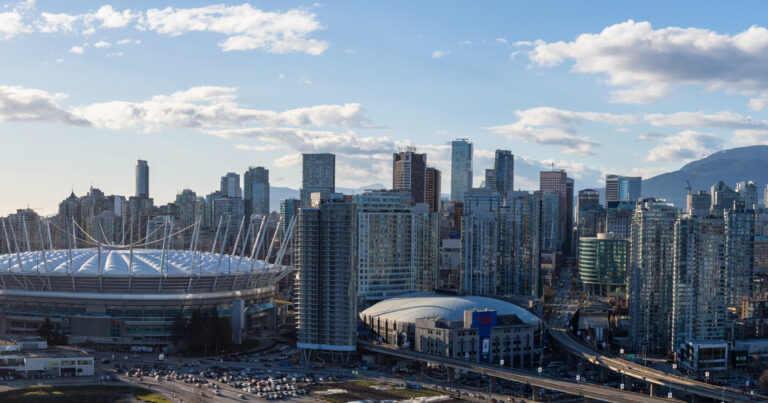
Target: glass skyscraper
(461,168)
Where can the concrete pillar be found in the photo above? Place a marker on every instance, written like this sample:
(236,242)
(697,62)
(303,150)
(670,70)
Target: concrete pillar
(587,399)
(238,320)
(536,393)
(652,389)
(492,382)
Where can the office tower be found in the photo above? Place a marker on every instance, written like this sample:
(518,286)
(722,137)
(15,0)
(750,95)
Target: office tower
(747,191)
(603,264)
(225,209)
(256,184)
(699,285)
(326,260)
(556,181)
(587,197)
(318,174)
(409,173)
(589,213)
(521,245)
(618,219)
(551,238)
(490,179)
(191,208)
(433,189)
(622,188)
(698,204)
(480,242)
(765,197)
(397,245)
(740,252)
(142,179)
(569,247)
(230,185)
(461,168)
(722,197)
(650,277)
(289,208)
(504,168)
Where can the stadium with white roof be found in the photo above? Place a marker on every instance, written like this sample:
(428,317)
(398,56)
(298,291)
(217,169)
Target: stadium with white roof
(124,296)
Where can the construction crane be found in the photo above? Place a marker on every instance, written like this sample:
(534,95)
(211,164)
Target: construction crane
(689,188)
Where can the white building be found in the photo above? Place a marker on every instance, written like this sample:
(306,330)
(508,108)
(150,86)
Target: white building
(397,245)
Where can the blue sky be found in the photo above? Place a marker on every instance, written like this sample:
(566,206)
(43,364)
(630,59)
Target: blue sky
(204,88)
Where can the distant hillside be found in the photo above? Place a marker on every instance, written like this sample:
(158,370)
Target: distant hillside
(730,166)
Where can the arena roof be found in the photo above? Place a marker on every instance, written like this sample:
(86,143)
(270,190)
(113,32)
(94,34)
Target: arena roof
(115,262)
(409,307)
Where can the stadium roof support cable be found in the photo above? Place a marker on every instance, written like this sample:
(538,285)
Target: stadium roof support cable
(237,243)
(216,236)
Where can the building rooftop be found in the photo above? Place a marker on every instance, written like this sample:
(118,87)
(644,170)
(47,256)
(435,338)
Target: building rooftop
(409,307)
(115,262)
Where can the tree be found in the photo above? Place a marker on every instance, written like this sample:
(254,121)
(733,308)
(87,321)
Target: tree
(763,381)
(48,332)
(179,333)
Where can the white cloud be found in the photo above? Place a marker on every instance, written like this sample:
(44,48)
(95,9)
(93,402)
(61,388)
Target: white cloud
(77,50)
(700,119)
(114,54)
(684,146)
(281,76)
(129,42)
(465,43)
(641,94)
(102,44)
(11,24)
(87,23)
(244,26)
(502,40)
(305,81)
(648,60)
(260,148)
(552,126)
(19,104)
(440,53)
(211,107)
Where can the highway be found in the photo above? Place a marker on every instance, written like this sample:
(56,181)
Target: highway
(650,375)
(577,389)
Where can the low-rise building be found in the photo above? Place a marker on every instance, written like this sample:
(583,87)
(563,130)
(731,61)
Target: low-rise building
(21,362)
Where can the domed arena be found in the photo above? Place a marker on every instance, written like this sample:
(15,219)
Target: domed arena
(468,327)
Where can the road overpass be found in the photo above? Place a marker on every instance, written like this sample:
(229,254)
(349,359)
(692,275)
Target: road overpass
(586,390)
(652,376)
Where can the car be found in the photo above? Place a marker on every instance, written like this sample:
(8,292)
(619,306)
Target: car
(242,396)
(217,392)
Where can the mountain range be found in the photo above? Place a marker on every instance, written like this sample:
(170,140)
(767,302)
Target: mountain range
(730,166)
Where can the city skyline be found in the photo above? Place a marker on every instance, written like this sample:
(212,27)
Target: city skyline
(92,87)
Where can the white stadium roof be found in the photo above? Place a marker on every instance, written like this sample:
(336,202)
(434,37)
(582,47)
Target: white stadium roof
(115,262)
(409,307)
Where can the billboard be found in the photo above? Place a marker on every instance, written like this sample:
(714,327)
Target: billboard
(484,321)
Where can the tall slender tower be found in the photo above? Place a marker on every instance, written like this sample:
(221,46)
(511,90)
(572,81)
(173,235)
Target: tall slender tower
(504,169)
(461,168)
(142,179)
(432,197)
(256,184)
(326,260)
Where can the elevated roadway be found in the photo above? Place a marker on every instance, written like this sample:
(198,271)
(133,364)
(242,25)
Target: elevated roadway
(652,376)
(588,391)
